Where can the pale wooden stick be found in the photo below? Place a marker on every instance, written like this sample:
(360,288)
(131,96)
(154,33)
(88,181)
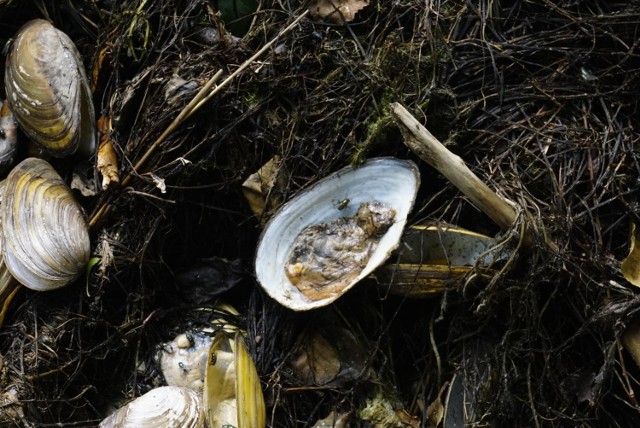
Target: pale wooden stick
(432,151)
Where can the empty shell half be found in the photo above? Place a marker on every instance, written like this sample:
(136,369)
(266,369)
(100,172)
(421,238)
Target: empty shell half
(434,257)
(48,90)
(45,239)
(232,392)
(163,407)
(336,232)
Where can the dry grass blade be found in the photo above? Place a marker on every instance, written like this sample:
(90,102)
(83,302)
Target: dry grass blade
(204,95)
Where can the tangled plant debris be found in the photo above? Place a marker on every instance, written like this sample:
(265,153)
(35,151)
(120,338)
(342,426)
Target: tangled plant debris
(539,98)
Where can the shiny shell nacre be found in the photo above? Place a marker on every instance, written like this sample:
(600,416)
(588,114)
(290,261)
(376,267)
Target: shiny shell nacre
(391,182)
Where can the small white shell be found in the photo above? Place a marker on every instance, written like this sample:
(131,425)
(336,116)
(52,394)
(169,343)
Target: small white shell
(164,407)
(393,182)
(184,360)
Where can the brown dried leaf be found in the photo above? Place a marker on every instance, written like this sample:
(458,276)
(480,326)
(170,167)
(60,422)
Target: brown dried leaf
(95,74)
(318,361)
(264,189)
(336,11)
(107,160)
(631,265)
(435,412)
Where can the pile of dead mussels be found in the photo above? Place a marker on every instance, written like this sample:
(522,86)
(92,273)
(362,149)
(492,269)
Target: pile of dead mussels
(45,240)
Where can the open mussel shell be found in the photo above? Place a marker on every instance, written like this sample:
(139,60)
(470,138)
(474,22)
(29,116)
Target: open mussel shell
(163,407)
(48,90)
(392,182)
(434,257)
(45,239)
(232,393)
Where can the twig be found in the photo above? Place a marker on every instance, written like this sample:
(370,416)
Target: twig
(204,95)
(187,111)
(432,151)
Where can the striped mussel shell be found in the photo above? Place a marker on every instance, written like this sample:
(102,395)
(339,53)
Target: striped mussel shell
(8,284)
(45,239)
(48,90)
(163,407)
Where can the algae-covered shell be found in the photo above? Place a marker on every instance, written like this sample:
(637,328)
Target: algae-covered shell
(163,407)
(392,182)
(48,90)
(45,239)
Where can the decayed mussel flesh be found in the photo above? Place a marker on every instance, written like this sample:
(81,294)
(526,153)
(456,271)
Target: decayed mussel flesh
(326,257)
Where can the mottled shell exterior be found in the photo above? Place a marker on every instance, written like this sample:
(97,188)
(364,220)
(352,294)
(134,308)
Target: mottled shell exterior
(48,90)
(8,138)
(45,239)
(163,407)
(393,182)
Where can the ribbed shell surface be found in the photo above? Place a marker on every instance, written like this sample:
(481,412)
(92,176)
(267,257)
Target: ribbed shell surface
(163,407)
(45,234)
(48,89)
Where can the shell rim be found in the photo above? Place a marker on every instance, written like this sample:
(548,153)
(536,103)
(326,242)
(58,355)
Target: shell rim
(299,302)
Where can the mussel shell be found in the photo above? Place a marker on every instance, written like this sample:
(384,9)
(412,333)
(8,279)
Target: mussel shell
(163,407)
(393,182)
(447,245)
(45,239)
(232,393)
(8,284)
(48,90)
(435,257)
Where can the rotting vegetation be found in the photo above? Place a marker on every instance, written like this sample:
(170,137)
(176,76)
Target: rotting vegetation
(539,98)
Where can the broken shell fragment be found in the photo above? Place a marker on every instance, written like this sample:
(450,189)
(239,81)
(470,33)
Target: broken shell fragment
(45,240)
(48,90)
(379,186)
(163,407)
(183,360)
